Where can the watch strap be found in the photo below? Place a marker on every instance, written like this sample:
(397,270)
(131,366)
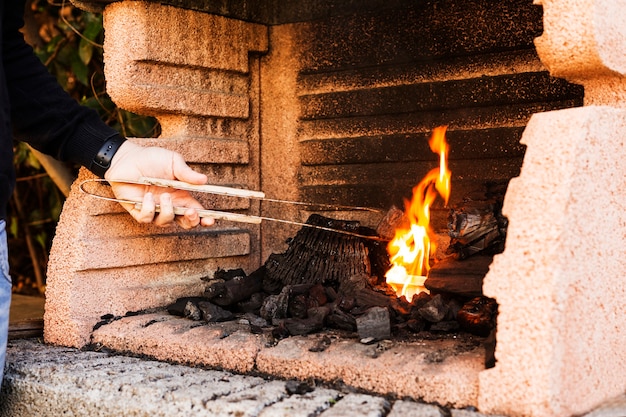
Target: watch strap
(102,160)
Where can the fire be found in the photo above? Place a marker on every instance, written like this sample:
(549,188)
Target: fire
(410,249)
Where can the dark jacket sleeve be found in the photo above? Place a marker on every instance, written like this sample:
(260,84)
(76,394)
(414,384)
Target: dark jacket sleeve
(42,113)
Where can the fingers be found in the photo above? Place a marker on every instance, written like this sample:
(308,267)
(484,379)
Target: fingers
(166,215)
(184,172)
(144,212)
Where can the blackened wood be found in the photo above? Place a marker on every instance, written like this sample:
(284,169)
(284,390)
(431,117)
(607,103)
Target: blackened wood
(434,310)
(476,224)
(213,313)
(339,319)
(393,219)
(316,256)
(192,311)
(312,323)
(275,306)
(228,274)
(238,289)
(375,323)
(178,307)
(478,316)
(462,277)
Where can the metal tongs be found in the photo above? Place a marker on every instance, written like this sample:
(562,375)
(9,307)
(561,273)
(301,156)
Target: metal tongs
(224,191)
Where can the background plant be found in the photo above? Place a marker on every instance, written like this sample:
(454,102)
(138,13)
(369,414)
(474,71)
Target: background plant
(69,42)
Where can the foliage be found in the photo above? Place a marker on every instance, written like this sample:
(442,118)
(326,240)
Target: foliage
(69,42)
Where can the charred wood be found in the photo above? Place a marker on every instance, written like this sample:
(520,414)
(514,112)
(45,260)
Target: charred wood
(375,323)
(313,322)
(478,316)
(316,256)
(213,313)
(393,220)
(477,224)
(237,289)
(462,277)
(178,307)
(434,310)
(339,319)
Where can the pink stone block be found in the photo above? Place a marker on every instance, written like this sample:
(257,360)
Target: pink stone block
(559,283)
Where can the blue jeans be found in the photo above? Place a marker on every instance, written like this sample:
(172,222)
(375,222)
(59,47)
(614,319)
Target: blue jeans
(5,295)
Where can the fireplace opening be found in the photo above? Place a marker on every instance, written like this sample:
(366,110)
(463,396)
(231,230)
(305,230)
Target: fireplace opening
(388,283)
(329,105)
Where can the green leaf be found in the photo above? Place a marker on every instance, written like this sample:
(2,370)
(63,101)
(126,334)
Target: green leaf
(14,226)
(33,161)
(93,27)
(85,51)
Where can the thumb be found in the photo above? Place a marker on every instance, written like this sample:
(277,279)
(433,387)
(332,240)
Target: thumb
(184,172)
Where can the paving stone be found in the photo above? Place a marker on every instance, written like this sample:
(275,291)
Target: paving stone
(468,413)
(303,405)
(49,381)
(413,409)
(358,405)
(615,407)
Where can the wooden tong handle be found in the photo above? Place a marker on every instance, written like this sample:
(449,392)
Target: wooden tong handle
(217,215)
(206,188)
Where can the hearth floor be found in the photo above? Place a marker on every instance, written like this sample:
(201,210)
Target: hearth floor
(42,380)
(444,370)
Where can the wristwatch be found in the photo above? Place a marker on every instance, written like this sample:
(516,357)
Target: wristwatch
(102,160)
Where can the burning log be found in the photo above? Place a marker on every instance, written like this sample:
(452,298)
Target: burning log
(477,224)
(462,277)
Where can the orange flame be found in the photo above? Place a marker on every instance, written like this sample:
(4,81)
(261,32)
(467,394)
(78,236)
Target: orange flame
(410,249)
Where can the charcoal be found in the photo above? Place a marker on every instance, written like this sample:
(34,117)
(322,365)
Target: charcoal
(178,307)
(478,316)
(275,306)
(317,296)
(237,289)
(192,311)
(447,326)
(339,319)
(374,323)
(434,310)
(416,325)
(312,323)
(297,306)
(227,275)
(476,224)
(253,304)
(255,320)
(213,313)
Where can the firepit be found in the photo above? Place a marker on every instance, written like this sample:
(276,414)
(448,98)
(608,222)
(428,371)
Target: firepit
(334,104)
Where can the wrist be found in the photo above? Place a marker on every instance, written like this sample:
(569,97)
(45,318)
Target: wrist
(102,161)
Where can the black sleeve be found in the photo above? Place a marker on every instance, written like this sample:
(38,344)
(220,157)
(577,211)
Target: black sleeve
(42,113)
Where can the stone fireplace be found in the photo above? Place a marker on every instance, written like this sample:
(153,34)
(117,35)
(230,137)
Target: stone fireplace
(333,103)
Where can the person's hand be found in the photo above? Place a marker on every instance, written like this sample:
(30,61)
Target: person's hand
(132,161)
